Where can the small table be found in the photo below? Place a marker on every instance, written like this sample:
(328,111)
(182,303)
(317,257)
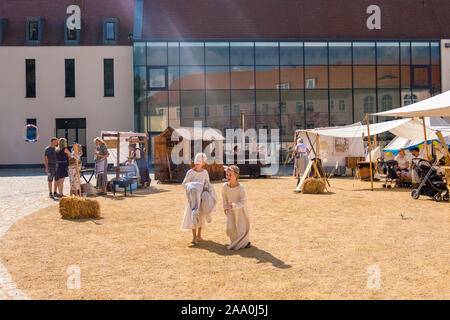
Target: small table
(123,183)
(87,171)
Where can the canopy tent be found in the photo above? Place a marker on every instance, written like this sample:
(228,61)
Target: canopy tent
(436,106)
(111,137)
(405,128)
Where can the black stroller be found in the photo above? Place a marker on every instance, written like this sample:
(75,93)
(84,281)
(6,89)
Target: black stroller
(431,184)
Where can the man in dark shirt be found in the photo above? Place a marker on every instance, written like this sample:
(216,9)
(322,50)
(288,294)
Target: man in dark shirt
(50,165)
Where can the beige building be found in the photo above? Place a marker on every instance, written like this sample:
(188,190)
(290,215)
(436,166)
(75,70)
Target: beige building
(50,103)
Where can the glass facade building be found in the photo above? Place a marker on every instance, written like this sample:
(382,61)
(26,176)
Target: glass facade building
(287,85)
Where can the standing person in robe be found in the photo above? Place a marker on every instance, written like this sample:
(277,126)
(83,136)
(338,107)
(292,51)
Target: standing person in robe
(101,165)
(73,177)
(138,156)
(235,207)
(301,153)
(194,219)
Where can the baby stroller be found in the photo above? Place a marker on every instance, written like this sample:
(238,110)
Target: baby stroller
(431,184)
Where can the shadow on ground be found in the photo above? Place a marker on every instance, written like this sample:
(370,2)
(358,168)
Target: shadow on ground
(251,253)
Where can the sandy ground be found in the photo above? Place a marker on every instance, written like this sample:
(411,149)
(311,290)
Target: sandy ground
(304,247)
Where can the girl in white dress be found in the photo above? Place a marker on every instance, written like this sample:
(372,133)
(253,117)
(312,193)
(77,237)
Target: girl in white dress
(196,174)
(235,207)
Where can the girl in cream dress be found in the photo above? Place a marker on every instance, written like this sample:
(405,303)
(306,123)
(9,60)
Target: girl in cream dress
(200,175)
(235,207)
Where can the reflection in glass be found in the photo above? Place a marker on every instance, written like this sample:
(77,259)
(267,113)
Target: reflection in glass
(173,78)
(140,111)
(341,107)
(388,77)
(243,101)
(158,110)
(174,108)
(219,112)
(435,53)
(316,53)
(192,77)
(405,76)
(364,77)
(435,80)
(340,77)
(388,99)
(217,78)
(291,53)
(139,54)
(157,53)
(267,77)
(316,77)
(340,53)
(242,77)
(294,118)
(191,53)
(173,53)
(242,53)
(364,53)
(316,108)
(291,77)
(420,52)
(364,102)
(388,52)
(157,78)
(405,52)
(421,77)
(217,53)
(266,53)
(140,78)
(192,103)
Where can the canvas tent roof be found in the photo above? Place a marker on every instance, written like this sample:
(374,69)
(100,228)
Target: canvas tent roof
(189,133)
(436,106)
(124,136)
(406,128)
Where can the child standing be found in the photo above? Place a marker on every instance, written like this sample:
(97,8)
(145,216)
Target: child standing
(196,175)
(235,207)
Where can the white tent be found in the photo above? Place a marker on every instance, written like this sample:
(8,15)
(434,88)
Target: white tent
(436,106)
(124,142)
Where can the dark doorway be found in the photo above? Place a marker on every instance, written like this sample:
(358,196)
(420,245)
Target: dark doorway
(74,130)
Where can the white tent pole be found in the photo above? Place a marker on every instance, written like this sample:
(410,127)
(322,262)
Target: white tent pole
(370,151)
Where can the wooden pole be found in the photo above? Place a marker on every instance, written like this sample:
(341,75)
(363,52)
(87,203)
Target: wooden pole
(77,169)
(370,151)
(320,166)
(426,140)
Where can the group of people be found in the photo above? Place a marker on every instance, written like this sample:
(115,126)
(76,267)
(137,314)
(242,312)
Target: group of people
(60,163)
(403,166)
(201,202)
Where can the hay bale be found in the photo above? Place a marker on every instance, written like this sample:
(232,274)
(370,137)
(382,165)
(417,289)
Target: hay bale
(78,208)
(313,186)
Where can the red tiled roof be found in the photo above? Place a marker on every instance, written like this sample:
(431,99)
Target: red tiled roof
(54,14)
(287,19)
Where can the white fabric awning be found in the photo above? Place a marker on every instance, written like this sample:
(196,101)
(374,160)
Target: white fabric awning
(437,106)
(405,128)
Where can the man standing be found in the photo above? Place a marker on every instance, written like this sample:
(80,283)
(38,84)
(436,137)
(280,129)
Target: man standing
(50,165)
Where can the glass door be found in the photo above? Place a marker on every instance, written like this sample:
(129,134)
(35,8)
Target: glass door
(74,130)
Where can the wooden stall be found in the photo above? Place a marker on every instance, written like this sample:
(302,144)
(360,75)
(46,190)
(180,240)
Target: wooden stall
(167,171)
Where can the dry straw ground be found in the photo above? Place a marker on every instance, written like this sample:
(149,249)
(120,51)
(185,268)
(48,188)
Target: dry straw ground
(305,246)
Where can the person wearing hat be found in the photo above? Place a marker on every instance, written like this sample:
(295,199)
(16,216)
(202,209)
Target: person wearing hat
(101,165)
(301,153)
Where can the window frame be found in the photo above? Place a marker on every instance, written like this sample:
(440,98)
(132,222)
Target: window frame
(32,93)
(40,24)
(111,83)
(66,74)
(163,88)
(106,21)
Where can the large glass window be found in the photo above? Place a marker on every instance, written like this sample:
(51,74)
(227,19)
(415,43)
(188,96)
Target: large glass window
(364,53)
(340,53)
(291,53)
(242,53)
(217,53)
(70,77)
(108,74)
(278,84)
(316,53)
(192,53)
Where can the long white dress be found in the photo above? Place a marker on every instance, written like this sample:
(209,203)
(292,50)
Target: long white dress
(194,176)
(238,222)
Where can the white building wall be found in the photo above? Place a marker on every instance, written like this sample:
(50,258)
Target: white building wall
(101,113)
